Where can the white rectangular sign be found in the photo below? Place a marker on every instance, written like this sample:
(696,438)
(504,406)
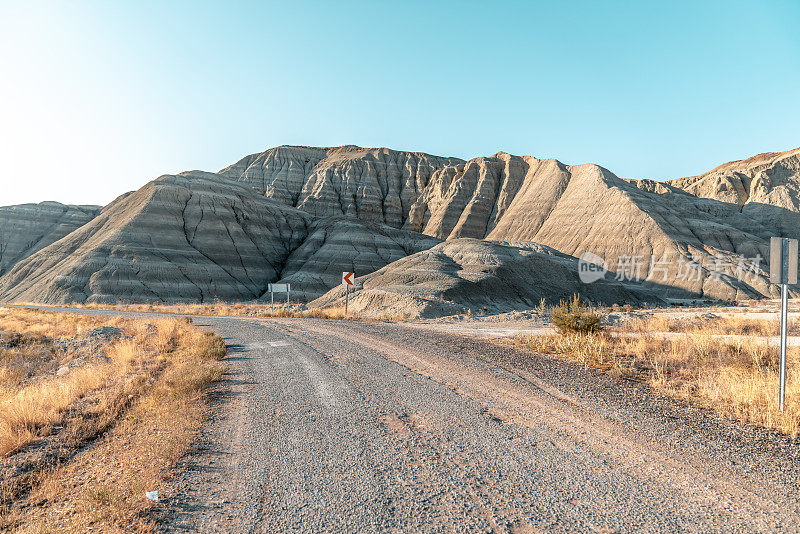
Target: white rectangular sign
(783,254)
(279,288)
(347,278)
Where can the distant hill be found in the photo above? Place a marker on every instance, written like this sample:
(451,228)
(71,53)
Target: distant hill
(474,275)
(27,228)
(766,179)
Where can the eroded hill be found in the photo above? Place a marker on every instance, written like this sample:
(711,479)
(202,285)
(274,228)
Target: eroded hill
(303,215)
(645,230)
(199,237)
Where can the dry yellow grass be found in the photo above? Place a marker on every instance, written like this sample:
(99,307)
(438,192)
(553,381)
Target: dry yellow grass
(33,410)
(737,377)
(238,309)
(725,324)
(131,415)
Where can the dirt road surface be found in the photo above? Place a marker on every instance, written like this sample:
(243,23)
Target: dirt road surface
(331,426)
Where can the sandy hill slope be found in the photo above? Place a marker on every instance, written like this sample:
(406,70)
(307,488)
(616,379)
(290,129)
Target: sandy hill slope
(470,275)
(646,230)
(199,237)
(27,228)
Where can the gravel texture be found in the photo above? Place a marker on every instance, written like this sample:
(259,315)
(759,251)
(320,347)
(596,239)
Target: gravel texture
(329,426)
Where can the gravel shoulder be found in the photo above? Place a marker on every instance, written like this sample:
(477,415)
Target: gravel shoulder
(343,426)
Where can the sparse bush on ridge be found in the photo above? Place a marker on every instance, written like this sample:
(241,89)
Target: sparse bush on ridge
(574,317)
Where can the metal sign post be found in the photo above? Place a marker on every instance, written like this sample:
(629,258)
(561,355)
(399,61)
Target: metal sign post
(784,314)
(783,271)
(347,280)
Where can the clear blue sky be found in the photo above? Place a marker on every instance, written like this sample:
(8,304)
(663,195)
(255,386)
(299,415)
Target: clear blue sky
(97,98)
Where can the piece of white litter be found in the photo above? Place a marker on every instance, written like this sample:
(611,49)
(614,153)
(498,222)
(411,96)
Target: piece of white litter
(152,495)
(130,396)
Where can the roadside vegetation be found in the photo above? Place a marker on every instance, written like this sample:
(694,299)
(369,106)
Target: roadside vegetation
(94,412)
(575,317)
(241,309)
(723,324)
(238,309)
(722,362)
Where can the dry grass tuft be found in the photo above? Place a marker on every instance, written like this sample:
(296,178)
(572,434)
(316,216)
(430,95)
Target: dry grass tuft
(33,410)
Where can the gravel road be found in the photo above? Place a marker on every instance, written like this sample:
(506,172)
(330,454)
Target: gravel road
(330,426)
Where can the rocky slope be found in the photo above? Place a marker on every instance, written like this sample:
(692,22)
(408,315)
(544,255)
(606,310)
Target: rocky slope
(199,237)
(27,228)
(470,275)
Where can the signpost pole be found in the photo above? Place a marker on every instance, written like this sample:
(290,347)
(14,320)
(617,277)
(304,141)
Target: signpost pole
(784,314)
(288,288)
(347,280)
(272,301)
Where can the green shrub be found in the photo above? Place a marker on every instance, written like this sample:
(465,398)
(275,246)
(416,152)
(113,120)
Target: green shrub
(573,316)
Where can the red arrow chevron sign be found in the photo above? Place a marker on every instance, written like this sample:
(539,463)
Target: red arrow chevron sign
(347,278)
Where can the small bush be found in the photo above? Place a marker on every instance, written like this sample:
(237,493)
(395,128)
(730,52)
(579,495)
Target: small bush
(209,346)
(574,317)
